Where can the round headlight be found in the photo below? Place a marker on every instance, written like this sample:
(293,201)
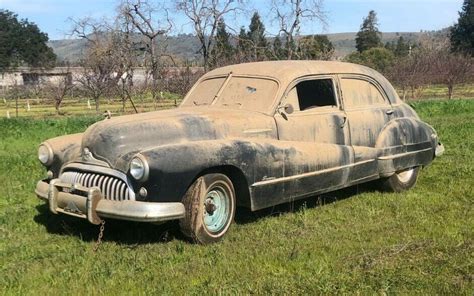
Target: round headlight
(45,154)
(139,168)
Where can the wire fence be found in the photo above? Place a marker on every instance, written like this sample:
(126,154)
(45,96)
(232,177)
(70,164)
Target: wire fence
(38,107)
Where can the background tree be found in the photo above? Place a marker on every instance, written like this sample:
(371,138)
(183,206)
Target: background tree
(22,43)
(291,15)
(369,35)
(278,52)
(204,16)
(402,48)
(152,23)
(127,59)
(243,45)
(256,37)
(451,69)
(409,73)
(315,47)
(101,66)
(414,72)
(378,58)
(59,88)
(222,52)
(462,33)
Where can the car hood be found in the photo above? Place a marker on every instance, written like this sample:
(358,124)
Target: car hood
(118,139)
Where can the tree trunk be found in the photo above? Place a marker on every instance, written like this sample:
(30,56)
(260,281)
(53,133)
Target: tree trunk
(16,105)
(450,91)
(57,104)
(205,56)
(96,99)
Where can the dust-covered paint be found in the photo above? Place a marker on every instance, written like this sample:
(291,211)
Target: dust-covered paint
(271,156)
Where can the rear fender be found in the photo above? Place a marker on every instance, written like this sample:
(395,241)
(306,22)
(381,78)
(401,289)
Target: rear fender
(405,143)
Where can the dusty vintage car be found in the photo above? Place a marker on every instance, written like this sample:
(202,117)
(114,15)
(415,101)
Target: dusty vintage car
(252,135)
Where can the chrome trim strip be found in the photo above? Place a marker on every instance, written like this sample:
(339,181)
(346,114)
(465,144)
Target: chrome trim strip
(403,154)
(258,131)
(309,174)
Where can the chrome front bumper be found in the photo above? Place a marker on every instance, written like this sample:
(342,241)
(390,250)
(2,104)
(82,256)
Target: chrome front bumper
(92,206)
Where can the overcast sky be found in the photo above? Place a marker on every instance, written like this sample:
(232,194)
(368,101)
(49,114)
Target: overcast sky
(343,15)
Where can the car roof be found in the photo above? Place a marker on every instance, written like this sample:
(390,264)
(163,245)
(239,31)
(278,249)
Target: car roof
(287,71)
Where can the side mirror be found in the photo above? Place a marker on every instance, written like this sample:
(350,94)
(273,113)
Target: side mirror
(284,110)
(288,108)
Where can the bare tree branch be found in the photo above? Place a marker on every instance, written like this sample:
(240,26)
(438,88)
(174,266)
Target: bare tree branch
(291,14)
(204,16)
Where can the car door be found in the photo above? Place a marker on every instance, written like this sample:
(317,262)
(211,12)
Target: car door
(318,125)
(368,110)
(317,116)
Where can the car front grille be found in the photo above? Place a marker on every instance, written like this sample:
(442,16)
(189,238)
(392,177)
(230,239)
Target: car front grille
(112,188)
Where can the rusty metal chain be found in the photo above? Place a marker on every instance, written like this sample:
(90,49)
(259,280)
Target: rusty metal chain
(99,238)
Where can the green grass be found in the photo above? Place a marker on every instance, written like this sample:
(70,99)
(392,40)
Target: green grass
(354,241)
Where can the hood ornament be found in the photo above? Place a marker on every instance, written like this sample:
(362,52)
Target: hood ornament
(87,154)
(107,114)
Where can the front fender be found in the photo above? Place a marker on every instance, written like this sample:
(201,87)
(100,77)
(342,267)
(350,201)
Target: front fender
(65,149)
(174,167)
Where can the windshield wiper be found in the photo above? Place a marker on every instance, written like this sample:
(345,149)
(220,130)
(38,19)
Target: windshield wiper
(197,104)
(222,87)
(236,103)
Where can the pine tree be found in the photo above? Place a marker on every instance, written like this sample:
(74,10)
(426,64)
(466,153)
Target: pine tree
(462,33)
(256,36)
(369,34)
(222,51)
(278,50)
(243,45)
(316,47)
(402,48)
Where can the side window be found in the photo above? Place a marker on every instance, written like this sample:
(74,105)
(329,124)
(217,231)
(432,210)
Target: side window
(310,94)
(359,93)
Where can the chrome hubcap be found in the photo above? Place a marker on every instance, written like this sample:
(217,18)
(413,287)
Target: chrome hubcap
(406,175)
(216,209)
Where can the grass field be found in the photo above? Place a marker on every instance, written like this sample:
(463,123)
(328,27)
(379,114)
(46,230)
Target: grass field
(355,241)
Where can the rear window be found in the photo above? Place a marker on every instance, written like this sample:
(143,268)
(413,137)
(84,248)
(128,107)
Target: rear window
(360,93)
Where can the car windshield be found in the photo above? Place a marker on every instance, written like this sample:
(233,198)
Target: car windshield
(247,93)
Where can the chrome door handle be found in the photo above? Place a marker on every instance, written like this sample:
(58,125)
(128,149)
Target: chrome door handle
(343,123)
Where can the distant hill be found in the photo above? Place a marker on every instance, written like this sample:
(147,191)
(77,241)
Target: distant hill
(185,47)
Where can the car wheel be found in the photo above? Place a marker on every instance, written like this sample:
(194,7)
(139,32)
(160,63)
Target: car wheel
(401,180)
(210,209)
